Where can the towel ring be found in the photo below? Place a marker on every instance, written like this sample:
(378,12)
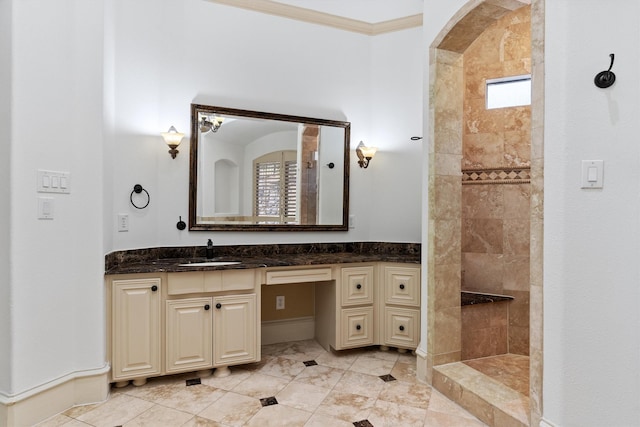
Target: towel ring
(138,189)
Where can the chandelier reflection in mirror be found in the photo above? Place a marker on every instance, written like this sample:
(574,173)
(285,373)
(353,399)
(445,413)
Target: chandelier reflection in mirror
(210,123)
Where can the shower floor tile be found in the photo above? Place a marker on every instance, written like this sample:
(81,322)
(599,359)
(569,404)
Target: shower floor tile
(511,370)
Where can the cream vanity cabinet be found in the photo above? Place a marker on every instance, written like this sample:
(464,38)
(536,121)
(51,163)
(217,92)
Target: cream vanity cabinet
(399,294)
(180,322)
(369,304)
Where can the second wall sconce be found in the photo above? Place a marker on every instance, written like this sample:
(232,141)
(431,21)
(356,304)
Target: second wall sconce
(207,124)
(173,138)
(365,154)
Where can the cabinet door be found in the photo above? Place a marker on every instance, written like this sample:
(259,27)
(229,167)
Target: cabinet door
(401,328)
(189,334)
(356,327)
(357,285)
(235,326)
(135,317)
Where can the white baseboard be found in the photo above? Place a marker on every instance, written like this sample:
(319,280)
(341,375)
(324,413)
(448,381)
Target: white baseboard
(42,402)
(544,423)
(298,329)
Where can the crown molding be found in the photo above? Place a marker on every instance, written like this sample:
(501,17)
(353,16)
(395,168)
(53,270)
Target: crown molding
(326,19)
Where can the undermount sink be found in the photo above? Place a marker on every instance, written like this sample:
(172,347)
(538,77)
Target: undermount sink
(210,264)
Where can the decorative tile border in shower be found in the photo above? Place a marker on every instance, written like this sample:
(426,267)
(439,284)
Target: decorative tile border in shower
(519,175)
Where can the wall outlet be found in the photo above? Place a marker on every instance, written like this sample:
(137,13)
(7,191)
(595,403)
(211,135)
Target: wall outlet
(280,302)
(123,222)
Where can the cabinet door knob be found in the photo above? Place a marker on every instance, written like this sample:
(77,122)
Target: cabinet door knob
(401,328)
(218,306)
(207,307)
(154,288)
(401,285)
(358,286)
(358,327)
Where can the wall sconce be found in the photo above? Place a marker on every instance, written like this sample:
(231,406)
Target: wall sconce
(365,154)
(207,125)
(173,138)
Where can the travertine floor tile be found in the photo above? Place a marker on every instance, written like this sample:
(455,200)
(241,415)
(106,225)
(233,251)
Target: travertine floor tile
(159,416)
(116,411)
(362,384)
(260,386)
(346,406)
(319,420)
(387,414)
(408,394)
(372,365)
(232,409)
(302,396)
(321,376)
(338,361)
(177,395)
(278,416)
(282,368)
(343,388)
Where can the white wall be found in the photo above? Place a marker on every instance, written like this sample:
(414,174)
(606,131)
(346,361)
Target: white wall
(394,177)
(56,266)
(592,239)
(197,51)
(6,26)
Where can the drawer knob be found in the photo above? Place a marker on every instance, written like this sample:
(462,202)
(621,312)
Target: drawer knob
(218,306)
(358,327)
(401,328)
(154,288)
(207,306)
(401,285)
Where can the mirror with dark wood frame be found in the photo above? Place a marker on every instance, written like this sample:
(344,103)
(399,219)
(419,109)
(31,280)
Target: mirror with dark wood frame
(258,171)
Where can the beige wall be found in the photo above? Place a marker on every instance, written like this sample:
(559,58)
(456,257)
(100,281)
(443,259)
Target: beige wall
(299,301)
(495,214)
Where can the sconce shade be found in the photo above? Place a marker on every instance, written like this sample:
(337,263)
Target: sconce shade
(365,154)
(173,138)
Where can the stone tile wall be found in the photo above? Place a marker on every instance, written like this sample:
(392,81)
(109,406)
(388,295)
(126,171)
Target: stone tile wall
(495,229)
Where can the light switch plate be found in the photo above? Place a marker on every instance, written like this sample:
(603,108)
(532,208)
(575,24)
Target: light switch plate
(45,208)
(53,182)
(592,174)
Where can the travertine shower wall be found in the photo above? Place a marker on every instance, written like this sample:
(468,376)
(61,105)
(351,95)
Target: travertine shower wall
(495,229)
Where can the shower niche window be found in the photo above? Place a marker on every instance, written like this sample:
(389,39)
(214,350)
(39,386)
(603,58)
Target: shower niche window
(506,92)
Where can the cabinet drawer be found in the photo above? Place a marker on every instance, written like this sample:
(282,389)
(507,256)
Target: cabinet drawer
(191,282)
(281,277)
(356,287)
(401,327)
(402,286)
(356,327)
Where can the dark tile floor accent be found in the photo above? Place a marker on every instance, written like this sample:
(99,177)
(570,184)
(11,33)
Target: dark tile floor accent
(363,423)
(387,378)
(310,363)
(193,381)
(268,401)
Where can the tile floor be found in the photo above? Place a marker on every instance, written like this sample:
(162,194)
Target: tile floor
(295,384)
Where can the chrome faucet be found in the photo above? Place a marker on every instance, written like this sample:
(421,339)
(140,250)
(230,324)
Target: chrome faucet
(209,249)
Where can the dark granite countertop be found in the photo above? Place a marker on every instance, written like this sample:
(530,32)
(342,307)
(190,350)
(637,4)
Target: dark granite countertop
(472,298)
(161,260)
